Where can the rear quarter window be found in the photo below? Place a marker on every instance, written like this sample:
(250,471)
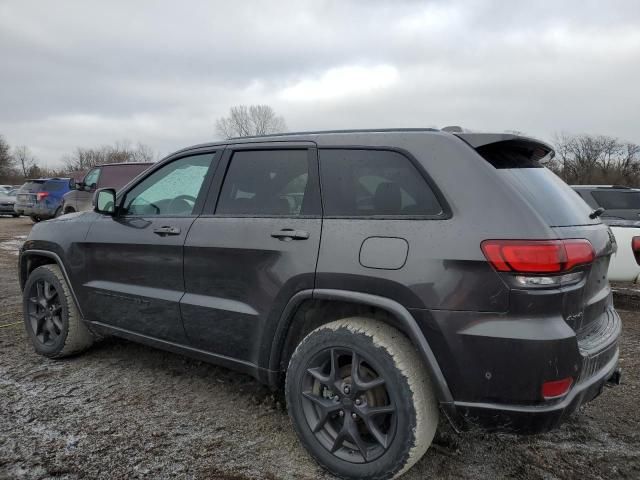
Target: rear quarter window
(364,183)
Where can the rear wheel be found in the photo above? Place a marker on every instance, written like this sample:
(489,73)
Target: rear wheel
(360,399)
(34,218)
(15,215)
(51,318)
(58,212)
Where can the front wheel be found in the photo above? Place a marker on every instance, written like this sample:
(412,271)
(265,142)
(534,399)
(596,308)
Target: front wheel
(360,399)
(34,218)
(51,318)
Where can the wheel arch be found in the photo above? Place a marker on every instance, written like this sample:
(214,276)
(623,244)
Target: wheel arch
(295,322)
(32,259)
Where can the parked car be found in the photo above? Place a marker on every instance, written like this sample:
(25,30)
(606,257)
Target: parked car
(113,175)
(5,188)
(41,198)
(396,292)
(622,214)
(7,201)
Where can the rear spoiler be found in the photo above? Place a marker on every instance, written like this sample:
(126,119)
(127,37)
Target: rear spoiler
(537,149)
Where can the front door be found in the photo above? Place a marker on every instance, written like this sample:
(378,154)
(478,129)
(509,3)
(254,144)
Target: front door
(134,260)
(245,259)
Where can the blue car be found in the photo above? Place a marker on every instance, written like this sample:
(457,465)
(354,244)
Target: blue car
(41,199)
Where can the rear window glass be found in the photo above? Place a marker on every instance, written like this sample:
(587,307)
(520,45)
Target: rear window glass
(55,186)
(518,163)
(616,200)
(362,183)
(513,154)
(32,187)
(44,186)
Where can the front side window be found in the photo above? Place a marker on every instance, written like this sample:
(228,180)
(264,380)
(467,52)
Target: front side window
(266,182)
(171,190)
(362,183)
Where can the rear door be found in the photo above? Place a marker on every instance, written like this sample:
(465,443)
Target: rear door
(253,248)
(134,261)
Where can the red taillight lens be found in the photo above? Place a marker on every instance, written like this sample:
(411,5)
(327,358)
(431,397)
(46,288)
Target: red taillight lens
(537,256)
(556,388)
(42,195)
(635,246)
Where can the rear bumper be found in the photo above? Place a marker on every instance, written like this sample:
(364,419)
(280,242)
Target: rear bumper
(35,210)
(532,419)
(495,366)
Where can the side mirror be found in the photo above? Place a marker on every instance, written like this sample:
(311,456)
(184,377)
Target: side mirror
(79,186)
(104,201)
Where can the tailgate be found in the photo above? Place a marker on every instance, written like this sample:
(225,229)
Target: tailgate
(588,309)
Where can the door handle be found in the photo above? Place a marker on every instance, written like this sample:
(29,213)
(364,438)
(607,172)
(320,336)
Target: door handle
(287,234)
(166,230)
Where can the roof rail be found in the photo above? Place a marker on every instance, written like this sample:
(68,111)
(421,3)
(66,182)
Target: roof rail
(320,132)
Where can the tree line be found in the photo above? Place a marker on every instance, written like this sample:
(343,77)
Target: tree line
(579,159)
(18,163)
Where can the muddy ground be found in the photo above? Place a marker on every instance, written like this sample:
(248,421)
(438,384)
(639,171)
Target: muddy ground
(128,411)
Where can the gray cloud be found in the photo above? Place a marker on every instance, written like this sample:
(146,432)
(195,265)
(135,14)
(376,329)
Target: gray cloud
(80,73)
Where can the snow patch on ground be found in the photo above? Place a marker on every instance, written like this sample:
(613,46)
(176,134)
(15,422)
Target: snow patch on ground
(13,245)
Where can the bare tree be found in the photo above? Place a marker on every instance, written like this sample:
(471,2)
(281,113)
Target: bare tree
(86,158)
(244,121)
(24,159)
(586,159)
(6,160)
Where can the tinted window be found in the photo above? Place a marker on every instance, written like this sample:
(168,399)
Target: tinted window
(373,182)
(553,200)
(513,154)
(171,190)
(33,186)
(617,200)
(269,182)
(55,186)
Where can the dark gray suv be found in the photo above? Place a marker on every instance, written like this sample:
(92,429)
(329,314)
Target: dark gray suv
(382,277)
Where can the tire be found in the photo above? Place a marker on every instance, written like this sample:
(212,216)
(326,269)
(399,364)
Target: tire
(58,212)
(34,218)
(54,336)
(15,215)
(390,376)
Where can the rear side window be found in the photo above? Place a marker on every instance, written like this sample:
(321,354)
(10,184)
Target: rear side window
(616,200)
(363,183)
(266,182)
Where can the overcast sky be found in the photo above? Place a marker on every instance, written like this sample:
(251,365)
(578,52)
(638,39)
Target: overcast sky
(86,73)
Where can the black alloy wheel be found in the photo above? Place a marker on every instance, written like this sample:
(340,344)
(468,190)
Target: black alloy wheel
(347,405)
(45,312)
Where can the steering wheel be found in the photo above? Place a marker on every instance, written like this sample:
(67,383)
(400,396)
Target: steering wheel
(184,198)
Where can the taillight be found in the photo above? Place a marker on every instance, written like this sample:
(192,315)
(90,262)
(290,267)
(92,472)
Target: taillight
(42,195)
(556,388)
(635,246)
(537,256)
